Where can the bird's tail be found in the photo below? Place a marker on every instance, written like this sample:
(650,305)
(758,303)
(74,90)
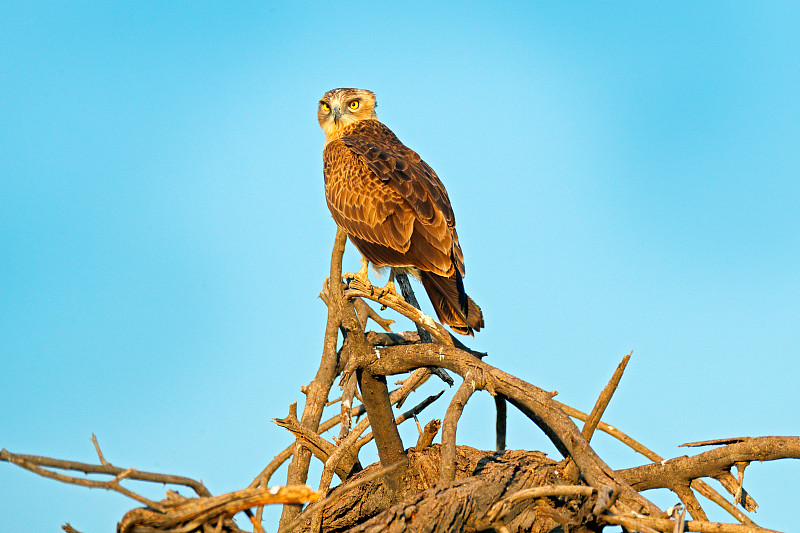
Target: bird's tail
(451,303)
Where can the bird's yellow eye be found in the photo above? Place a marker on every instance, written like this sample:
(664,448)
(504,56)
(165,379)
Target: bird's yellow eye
(325,107)
(354,104)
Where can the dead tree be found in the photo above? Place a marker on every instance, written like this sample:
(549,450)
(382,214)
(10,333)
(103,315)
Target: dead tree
(439,487)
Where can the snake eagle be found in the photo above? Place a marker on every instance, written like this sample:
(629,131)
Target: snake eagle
(392,205)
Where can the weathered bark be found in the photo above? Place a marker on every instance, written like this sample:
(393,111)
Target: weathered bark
(375,394)
(482,479)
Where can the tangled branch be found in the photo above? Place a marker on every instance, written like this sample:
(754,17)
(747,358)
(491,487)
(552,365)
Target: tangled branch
(448,484)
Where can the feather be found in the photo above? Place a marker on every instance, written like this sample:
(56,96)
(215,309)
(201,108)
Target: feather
(394,207)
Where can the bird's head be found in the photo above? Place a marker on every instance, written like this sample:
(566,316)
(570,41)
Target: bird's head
(339,108)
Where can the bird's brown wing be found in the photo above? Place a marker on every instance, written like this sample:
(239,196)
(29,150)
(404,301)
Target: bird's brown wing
(390,201)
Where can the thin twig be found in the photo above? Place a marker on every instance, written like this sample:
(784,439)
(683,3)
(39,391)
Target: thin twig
(714,442)
(86,468)
(112,484)
(571,472)
(262,479)
(604,399)
(99,453)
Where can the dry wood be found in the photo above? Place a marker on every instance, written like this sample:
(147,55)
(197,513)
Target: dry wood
(699,485)
(604,399)
(482,478)
(714,442)
(318,389)
(436,330)
(438,487)
(447,473)
(375,395)
(321,448)
(397,396)
(534,402)
(188,514)
(571,471)
(87,468)
(682,470)
(668,526)
(500,422)
(426,435)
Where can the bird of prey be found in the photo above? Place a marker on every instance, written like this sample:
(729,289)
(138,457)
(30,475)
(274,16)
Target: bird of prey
(392,205)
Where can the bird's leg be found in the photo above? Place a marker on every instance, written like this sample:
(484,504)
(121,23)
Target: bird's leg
(389,289)
(361,276)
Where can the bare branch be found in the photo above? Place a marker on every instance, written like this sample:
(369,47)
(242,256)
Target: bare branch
(187,514)
(668,526)
(600,405)
(318,390)
(36,463)
(356,289)
(99,453)
(535,403)
(604,399)
(711,463)
(699,485)
(502,507)
(447,472)
(500,423)
(714,442)
(262,479)
(338,492)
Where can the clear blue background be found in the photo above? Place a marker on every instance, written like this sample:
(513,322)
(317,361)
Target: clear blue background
(624,176)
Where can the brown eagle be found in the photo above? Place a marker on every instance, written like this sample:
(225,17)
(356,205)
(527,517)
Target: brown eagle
(392,205)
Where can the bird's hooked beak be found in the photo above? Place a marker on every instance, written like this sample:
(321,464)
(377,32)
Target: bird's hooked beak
(337,114)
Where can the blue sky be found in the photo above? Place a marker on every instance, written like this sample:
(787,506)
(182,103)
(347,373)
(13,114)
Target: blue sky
(625,176)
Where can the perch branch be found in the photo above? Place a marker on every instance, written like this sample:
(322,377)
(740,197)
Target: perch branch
(356,289)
